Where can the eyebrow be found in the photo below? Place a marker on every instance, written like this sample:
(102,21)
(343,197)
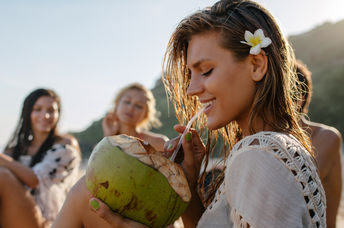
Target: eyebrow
(196,64)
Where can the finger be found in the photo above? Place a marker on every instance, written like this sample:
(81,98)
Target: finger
(198,144)
(171,145)
(188,149)
(179,128)
(104,212)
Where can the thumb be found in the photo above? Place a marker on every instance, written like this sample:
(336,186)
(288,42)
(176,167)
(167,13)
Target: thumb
(105,213)
(115,220)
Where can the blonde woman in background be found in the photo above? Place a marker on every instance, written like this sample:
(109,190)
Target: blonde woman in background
(134,114)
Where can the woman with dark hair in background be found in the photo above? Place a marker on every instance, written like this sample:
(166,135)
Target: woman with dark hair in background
(327,147)
(38,166)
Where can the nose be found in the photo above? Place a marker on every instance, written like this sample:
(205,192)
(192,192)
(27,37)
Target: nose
(195,86)
(131,108)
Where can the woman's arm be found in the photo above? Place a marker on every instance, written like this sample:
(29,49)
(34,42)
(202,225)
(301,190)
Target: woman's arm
(23,173)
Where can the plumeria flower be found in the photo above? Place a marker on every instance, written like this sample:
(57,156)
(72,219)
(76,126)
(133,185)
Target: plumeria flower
(256,40)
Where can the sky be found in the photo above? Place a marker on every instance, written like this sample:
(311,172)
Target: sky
(86,50)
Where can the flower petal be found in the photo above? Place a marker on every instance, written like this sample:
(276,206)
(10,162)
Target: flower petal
(255,50)
(244,42)
(259,33)
(248,35)
(265,42)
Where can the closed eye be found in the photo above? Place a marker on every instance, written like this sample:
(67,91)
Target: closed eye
(208,72)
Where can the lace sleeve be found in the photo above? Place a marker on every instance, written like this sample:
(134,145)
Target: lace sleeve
(262,192)
(57,172)
(60,162)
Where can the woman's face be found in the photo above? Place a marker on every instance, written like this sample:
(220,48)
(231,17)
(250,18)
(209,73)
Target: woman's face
(132,107)
(44,115)
(224,85)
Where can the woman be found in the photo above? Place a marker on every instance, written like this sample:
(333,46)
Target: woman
(220,58)
(38,166)
(134,114)
(326,144)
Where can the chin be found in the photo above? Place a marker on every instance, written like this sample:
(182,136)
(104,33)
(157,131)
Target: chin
(213,125)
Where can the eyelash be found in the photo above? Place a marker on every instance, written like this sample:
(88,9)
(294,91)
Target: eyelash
(208,72)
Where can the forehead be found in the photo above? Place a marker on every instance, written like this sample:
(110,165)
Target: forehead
(135,95)
(46,101)
(205,46)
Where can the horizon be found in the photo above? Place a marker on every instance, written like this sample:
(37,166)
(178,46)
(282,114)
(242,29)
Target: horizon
(87,50)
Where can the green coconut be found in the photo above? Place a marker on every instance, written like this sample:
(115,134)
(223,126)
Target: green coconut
(136,181)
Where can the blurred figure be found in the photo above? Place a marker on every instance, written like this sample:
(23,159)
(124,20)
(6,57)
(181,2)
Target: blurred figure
(38,166)
(134,114)
(326,144)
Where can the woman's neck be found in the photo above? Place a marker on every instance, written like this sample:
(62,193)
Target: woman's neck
(37,142)
(258,125)
(128,130)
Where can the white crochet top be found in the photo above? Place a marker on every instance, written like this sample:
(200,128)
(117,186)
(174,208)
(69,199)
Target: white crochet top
(270,181)
(57,172)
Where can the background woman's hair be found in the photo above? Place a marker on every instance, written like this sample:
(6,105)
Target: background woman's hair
(273,101)
(152,116)
(23,135)
(305,85)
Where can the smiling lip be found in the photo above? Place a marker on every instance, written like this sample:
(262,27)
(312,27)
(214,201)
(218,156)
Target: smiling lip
(129,115)
(208,105)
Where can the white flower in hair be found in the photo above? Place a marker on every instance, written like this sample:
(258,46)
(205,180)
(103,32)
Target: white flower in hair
(256,40)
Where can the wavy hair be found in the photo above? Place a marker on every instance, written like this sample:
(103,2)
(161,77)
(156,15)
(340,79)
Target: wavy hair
(273,101)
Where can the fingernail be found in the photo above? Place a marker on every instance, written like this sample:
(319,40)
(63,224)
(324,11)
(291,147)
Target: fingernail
(94,204)
(170,146)
(188,136)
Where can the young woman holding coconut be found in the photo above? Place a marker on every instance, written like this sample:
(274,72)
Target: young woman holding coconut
(233,59)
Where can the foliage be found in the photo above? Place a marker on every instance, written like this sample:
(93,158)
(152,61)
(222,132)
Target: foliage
(322,50)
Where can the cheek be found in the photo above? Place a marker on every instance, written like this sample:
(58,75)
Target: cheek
(56,117)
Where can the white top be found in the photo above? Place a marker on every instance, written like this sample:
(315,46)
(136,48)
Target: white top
(270,181)
(57,172)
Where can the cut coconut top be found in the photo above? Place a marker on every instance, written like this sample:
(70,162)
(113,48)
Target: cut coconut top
(148,155)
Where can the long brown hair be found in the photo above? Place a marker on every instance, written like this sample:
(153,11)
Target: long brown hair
(273,97)
(23,135)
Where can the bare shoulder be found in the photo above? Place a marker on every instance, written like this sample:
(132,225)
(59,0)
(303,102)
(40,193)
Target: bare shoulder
(326,133)
(68,139)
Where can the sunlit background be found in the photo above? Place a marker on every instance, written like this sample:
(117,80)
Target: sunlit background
(86,50)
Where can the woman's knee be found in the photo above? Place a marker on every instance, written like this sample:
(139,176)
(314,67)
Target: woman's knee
(6,176)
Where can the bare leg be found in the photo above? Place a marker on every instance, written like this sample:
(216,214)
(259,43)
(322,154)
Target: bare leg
(76,212)
(18,208)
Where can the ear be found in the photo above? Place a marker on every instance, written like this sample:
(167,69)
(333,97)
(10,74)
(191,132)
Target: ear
(259,66)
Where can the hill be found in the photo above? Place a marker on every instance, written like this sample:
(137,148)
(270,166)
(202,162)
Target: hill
(321,49)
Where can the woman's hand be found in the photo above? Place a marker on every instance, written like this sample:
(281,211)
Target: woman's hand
(115,220)
(194,151)
(110,124)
